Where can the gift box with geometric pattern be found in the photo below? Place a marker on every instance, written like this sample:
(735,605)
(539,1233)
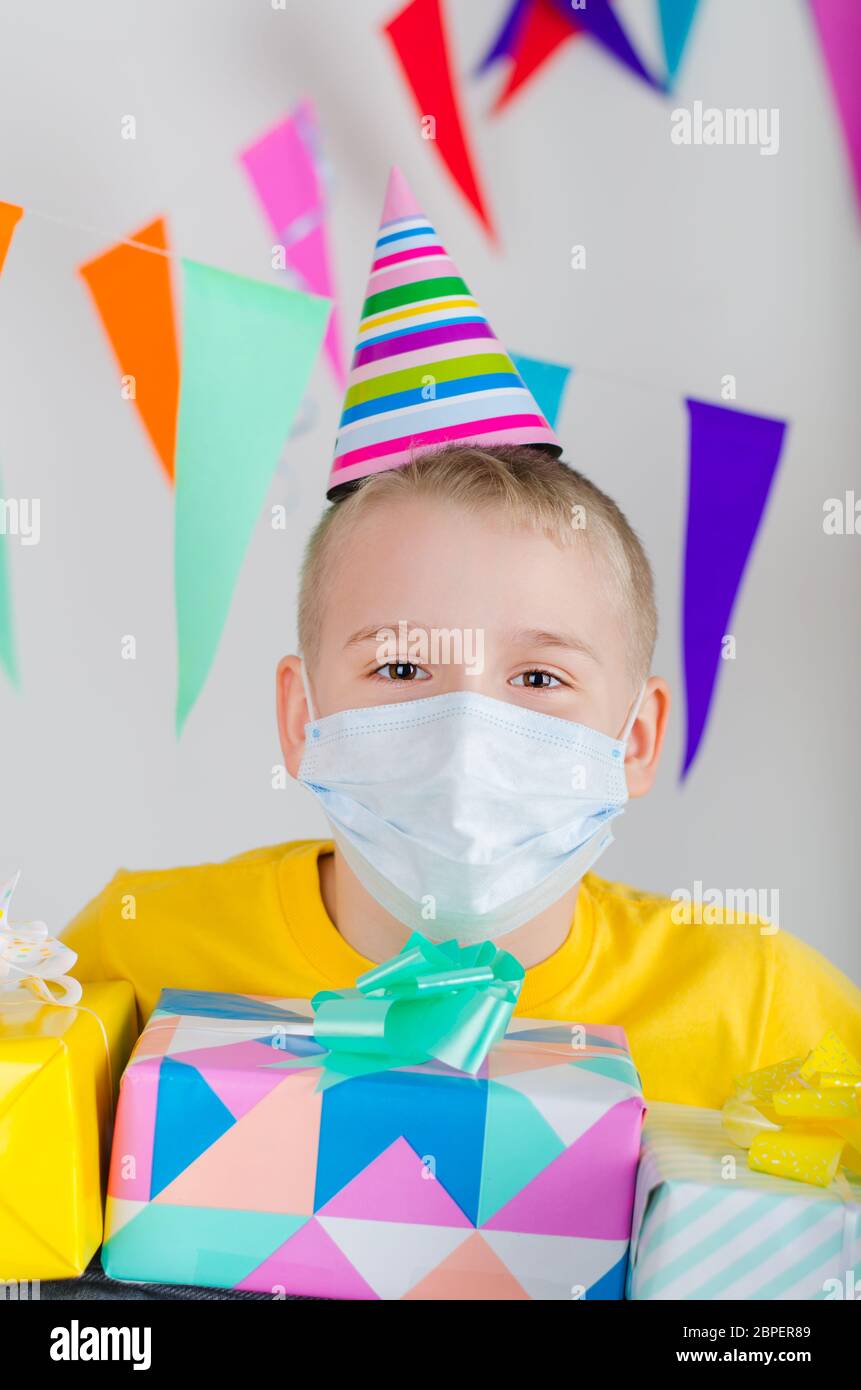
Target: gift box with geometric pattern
(248,1156)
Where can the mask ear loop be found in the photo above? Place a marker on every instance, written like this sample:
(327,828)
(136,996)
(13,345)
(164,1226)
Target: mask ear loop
(307,688)
(632,716)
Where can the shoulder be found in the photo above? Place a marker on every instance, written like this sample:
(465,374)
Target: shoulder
(189,889)
(727,953)
(193,878)
(683,927)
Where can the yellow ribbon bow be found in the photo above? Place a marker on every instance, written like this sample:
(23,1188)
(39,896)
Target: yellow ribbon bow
(800,1118)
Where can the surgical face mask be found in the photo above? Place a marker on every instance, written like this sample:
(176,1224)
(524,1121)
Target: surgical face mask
(462,815)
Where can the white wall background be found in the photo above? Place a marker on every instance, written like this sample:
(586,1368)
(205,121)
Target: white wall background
(700,261)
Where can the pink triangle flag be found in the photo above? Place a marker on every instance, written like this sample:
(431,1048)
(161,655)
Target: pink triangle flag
(839,26)
(283,166)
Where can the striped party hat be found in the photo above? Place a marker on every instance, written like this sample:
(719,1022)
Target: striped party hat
(427,369)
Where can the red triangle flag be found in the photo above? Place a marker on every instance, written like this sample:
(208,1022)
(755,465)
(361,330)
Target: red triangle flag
(543,31)
(417,34)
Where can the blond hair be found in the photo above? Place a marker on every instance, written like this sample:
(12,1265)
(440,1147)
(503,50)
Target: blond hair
(534,490)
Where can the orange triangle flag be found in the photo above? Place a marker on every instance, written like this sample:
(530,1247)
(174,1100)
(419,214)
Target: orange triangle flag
(131,289)
(10,215)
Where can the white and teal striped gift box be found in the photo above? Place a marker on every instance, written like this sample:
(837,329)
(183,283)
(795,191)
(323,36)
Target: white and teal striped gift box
(701,1233)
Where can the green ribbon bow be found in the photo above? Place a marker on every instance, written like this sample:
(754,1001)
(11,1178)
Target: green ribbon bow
(447,1002)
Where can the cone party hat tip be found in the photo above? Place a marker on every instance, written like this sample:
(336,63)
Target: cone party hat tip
(400,201)
(427,368)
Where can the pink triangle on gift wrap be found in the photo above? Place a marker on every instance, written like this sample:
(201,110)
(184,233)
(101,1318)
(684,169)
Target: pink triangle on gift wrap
(250,1053)
(130,1175)
(240,1078)
(267,1161)
(309,1263)
(589,1189)
(392,1188)
(400,201)
(155,1040)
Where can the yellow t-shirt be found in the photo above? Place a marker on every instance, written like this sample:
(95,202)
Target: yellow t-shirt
(700,1004)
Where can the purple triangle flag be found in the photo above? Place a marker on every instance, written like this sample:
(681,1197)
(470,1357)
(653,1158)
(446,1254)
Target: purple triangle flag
(597,18)
(504,43)
(733,458)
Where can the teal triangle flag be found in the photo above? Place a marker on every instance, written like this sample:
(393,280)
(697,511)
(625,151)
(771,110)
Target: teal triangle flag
(546,381)
(7,644)
(676,18)
(247,352)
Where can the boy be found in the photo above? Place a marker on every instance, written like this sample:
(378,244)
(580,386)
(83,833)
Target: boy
(473,706)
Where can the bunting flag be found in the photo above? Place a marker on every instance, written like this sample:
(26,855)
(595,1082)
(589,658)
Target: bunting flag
(504,44)
(733,458)
(132,292)
(546,381)
(248,350)
(676,18)
(531,43)
(534,29)
(598,19)
(284,169)
(10,215)
(839,26)
(418,37)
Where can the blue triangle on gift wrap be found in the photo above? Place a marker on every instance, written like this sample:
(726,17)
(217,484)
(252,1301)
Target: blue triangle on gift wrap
(441,1117)
(611,1285)
(202,1003)
(189,1118)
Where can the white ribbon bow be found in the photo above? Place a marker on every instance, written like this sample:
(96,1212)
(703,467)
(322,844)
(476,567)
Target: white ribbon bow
(32,960)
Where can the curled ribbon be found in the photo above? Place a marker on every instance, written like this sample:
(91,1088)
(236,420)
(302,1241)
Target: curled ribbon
(447,1002)
(32,960)
(800,1118)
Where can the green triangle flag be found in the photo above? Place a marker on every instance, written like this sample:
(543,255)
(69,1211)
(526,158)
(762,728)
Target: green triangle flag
(247,352)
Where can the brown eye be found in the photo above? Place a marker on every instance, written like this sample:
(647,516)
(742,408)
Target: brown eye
(537,680)
(400,671)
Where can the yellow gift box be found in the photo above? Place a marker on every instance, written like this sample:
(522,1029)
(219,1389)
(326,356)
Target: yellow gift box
(60,1068)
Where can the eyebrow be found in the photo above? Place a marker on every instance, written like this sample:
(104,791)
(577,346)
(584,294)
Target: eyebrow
(528,637)
(371,633)
(538,637)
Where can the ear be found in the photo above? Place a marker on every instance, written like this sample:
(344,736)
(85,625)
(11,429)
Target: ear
(647,736)
(293,712)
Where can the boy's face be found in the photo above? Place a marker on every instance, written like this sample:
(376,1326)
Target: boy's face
(426,598)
